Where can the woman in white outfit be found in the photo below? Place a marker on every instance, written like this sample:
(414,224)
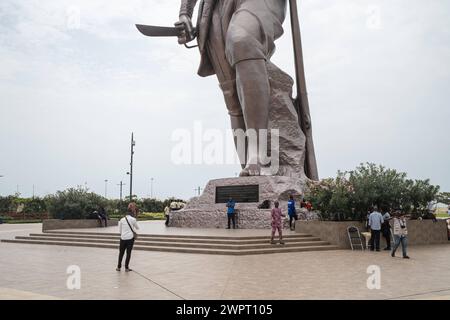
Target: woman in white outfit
(127,227)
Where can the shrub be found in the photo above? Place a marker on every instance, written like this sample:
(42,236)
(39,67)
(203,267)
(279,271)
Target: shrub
(74,204)
(350,194)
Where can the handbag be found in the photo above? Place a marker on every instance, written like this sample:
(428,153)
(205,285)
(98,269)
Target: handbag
(135,235)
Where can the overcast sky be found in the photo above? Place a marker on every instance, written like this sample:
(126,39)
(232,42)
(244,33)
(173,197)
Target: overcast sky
(76,79)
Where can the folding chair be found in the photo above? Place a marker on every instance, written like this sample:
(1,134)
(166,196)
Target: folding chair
(354,237)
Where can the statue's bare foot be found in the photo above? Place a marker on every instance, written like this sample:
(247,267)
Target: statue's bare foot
(251,170)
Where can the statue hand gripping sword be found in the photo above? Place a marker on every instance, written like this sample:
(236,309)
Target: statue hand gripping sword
(236,39)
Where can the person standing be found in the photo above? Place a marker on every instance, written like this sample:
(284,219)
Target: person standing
(400,234)
(386,229)
(292,212)
(231,213)
(127,227)
(276,223)
(375,222)
(166,213)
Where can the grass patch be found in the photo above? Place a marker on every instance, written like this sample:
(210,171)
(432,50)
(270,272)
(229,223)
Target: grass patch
(144,216)
(21,221)
(442,213)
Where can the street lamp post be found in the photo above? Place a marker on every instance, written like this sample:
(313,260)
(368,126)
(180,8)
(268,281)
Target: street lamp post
(151,188)
(106,188)
(121,184)
(198,191)
(133,143)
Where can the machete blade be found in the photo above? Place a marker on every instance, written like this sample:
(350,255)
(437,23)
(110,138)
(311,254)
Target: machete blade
(155,31)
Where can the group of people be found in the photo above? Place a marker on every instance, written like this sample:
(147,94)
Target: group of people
(380,223)
(377,222)
(276,215)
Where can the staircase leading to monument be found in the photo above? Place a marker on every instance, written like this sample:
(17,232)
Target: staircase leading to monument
(222,245)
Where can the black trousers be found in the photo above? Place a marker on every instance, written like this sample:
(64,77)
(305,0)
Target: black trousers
(232,217)
(293,217)
(375,239)
(125,245)
(167,220)
(387,236)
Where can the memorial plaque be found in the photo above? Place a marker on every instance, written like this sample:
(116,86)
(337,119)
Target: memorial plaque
(243,194)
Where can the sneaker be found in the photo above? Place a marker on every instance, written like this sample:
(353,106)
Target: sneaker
(406,257)
(128,269)
(281,242)
(117,269)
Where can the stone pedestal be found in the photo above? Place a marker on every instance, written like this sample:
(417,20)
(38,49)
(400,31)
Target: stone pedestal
(204,212)
(287,178)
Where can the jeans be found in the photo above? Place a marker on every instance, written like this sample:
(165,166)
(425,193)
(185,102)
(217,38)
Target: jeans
(375,240)
(404,241)
(231,217)
(128,246)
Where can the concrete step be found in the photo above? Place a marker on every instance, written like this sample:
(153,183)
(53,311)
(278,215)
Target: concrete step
(231,237)
(272,249)
(185,240)
(172,243)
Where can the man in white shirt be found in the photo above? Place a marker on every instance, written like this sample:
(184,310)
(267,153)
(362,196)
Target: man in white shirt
(375,222)
(127,228)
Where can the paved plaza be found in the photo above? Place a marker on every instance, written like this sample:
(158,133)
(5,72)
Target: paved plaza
(39,272)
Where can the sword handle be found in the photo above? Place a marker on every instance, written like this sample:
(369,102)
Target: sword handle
(190,47)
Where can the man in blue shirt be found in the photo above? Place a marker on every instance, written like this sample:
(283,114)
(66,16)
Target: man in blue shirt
(375,222)
(231,213)
(292,212)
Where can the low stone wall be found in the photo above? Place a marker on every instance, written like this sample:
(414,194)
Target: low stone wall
(420,232)
(56,224)
(246,219)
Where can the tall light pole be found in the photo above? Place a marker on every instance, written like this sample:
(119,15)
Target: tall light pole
(151,188)
(106,188)
(121,184)
(133,143)
(198,191)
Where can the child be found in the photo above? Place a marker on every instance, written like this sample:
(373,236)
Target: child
(276,223)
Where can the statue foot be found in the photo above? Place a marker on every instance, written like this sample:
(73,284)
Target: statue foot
(251,170)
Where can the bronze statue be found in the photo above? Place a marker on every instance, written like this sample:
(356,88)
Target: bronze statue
(236,39)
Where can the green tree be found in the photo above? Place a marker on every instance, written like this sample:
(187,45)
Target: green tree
(74,203)
(350,194)
(444,197)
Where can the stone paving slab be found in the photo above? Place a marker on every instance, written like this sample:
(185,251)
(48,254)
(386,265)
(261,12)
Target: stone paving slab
(341,274)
